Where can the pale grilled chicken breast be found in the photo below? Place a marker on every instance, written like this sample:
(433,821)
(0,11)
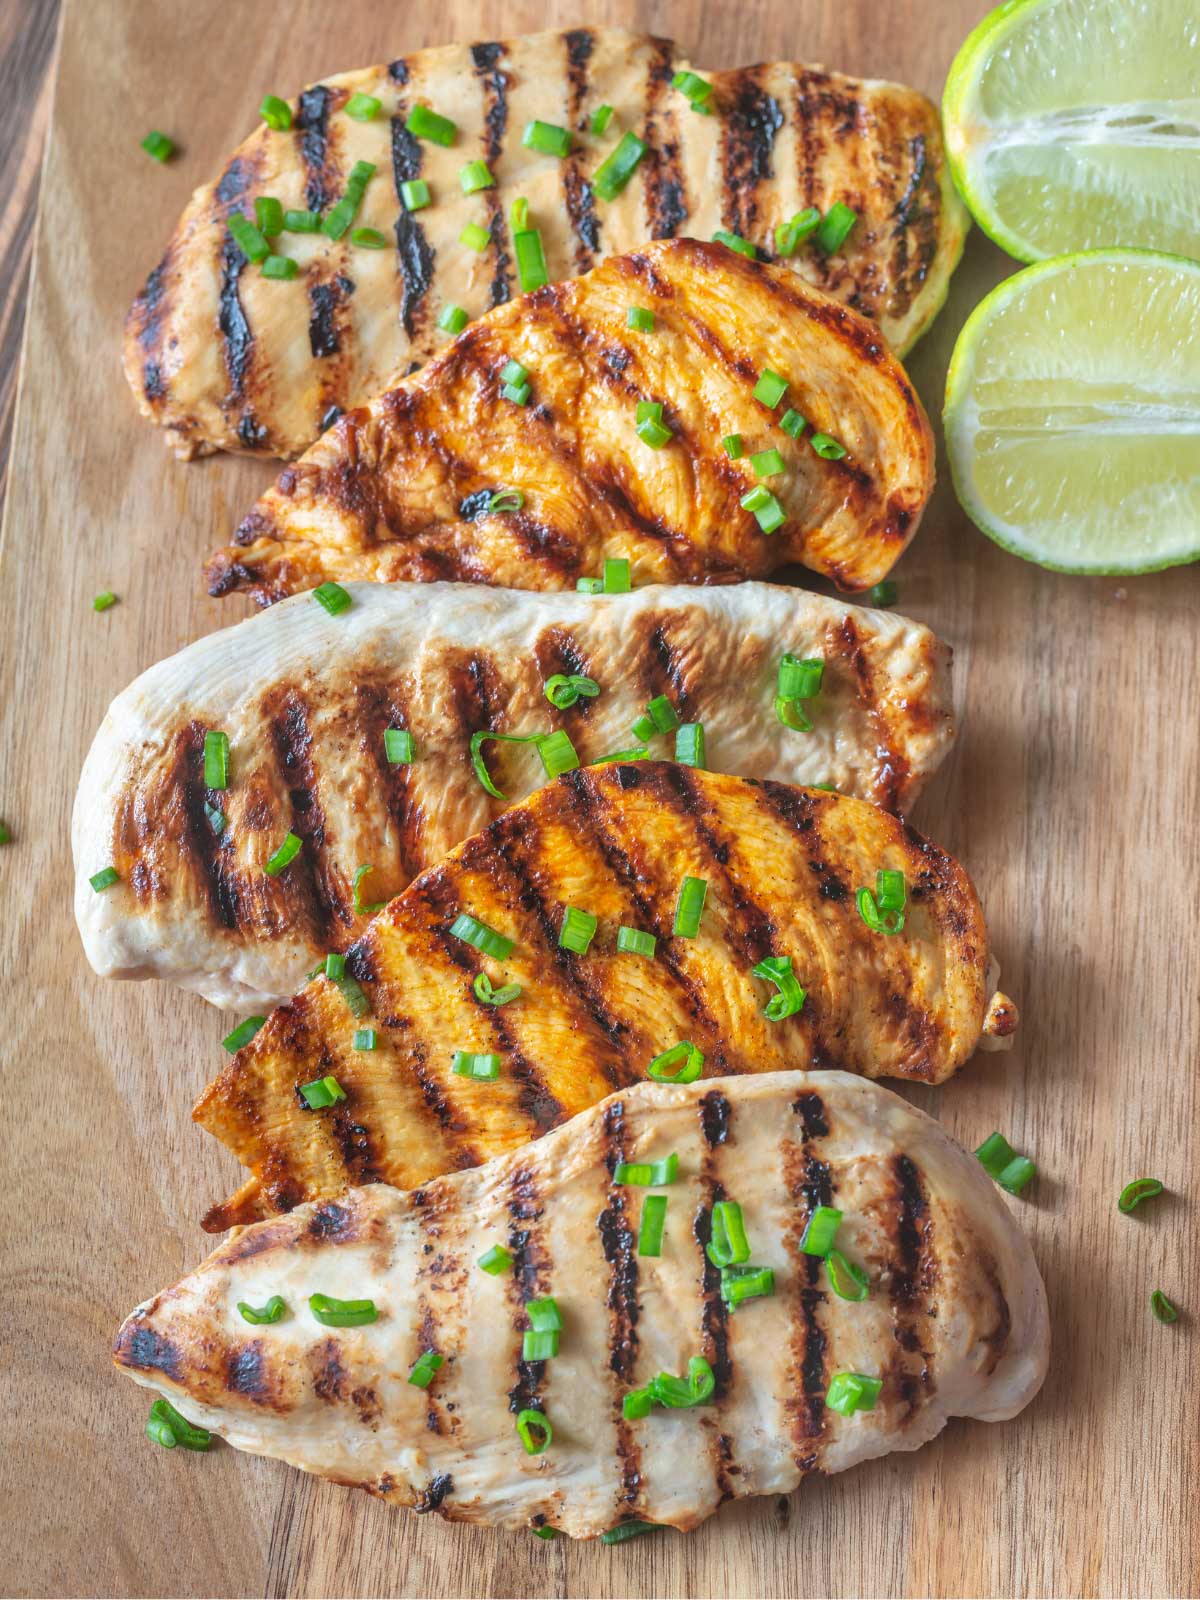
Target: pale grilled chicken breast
(955,1322)
(401,487)
(782,866)
(224,358)
(305,700)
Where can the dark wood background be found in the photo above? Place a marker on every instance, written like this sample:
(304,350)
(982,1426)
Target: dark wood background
(1072,796)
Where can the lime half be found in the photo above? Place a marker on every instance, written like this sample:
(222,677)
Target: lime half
(1075,125)
(1073,412)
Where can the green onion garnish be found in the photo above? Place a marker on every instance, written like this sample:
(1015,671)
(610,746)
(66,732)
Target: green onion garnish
(577,931)
(789,236)
(513,374)
(1134,1193)
(332,598)
(287,852)
(697,89)
(534,1430)
(5,833)
(637,1403)
(1163,1308)
(301,221)
(828,449)
(335,966)
(820,1235)
(563,690)
(473,932)
(276,113)
(104,879)
(883,911)
(453,319)
(734,448)
(353,994)
(1002,1163)
(273,1311)
(538,1346)
(242,1034)
(848,1281)
(519,214)
(217,820)
(483,1066)
(639,753)
(341,1313)
(495,1261)
(216,759)
(363,107)
(740,1283)
(158,145)
(778,970)
(689,744)
(589,585)
(474,176)
(650,1229)
(734,241)
(531,260)
(547,138)
(770,388)
(728,1243)
(835,227)
(504,501)
(689,907)
(633,942)
(425,124)
(792,423)
(793,715)
(494,997)
(883,594)
(625,1531)
(640,319)
(650,427)
(424,1367)
(544,1315)
(280,267)
(322,1092)
(364,908)
(364,1039)
(852,1391)
(104,600)
(767,463)
(557,752)
(648,1174)
(484,736)
(268,213)
(660,717)
(601,118)
(247,237)
(398,746)
(799,679)
(165,1422)
(617,578)
(518,393)
(682,1063)
(545,1533)
(368,239)
(681,1393)
(615,171)
(415,196)
(768,513)
(475,237)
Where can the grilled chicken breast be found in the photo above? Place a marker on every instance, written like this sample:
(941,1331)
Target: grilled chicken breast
(226,359)
(782,866)
(955,1323)
(305,699)
(402,487)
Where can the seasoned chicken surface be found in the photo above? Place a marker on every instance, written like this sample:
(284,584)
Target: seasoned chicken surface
(782,866)
(954,1323)
(306,699)
(225,358)
(402,487)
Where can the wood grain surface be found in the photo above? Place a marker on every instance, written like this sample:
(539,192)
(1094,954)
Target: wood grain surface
(1072,797)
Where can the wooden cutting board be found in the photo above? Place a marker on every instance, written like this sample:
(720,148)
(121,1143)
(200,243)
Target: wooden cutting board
(1073,797)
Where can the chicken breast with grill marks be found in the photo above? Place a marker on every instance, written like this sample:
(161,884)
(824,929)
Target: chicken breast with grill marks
(954,1324)
(226,359)
(402,488)
(305,700)
(781,866)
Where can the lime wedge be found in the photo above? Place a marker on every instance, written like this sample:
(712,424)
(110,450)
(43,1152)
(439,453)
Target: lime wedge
(1075,125)
(1073,412)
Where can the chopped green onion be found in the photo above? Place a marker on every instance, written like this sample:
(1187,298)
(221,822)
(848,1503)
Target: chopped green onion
(519,215)
(852,1391)
(890,892)
(617,578)
(615,171)
(820,1235)
(883,594)
(660,717)
(503,501)
(637,1403)
(734,241)
(216,759)
(473,932)
(601,118)
(494,997)
(104,879)
(1134,1193)
(848,1281)
(689,907)
(364,1039)
(280,267)
(792,714)
(697,89)
(767,463)
(474,176)
(625,1531)
(1163,1308)
(483,1066)
(518,393)
(273,1311)
(322,1092)
(217,820)
(650,1229)
(883,911)
(425,124)
(512,372)
(5,833)
(647,1174)
(475,237)
(484,736)
(792,423)
(363,107)
(1001,1163)
(531,260)
(247,237)
(538,1346)
(687,1060)
(287,852)
(689,744)
(544,1315)
(828,449)
(424,1368)
(547,138)
(364,908)
(770,388)
(740,1283)
(734,448)
(650,427)
(557,752)
(640,753)
(335,966)
(183,1432)
(104,600)
(333,1313)
(577,931)
(728,1243)
(633,942)
(563,690)
(453,319)
(789,236)
(799,679)
(158,145)
(768,512)
(398,747)
(639,318)
(301,221)
(681,1394)
(242,1034)
(353,994)
(835,227)
(332,598)
(268,213)
(589,585)
(276,113)
(778,970)
(368,239)
(495,1261)
(158,1432)
(545,1533)
(534,1430)
(415,196)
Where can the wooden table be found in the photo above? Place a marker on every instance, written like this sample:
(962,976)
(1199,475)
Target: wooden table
(1072,796)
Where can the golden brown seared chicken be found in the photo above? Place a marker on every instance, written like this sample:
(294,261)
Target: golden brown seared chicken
(307,700)
(954,1321)
(781,868)
(226,359)
(402,488)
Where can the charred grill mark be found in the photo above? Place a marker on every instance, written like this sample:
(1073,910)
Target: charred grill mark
(427,1339)
(359,1157)
(291,739)
(378,708)
(417,255)
(473,506)
(911,1274)
(530,1281)
(617,1241)
(215,863)
(577,191)
(800,811)
(669,678)
(398,72)
(750,121)
(486,59)
(810,1185)
(333,1223)
(312,121)
(892,771)
(231,318)
(234,181)
(432,1496)
(248,1376)
(148,1351)
(810,1108)
(329,1376)
(662,172)
(715,1118)
(322,327)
